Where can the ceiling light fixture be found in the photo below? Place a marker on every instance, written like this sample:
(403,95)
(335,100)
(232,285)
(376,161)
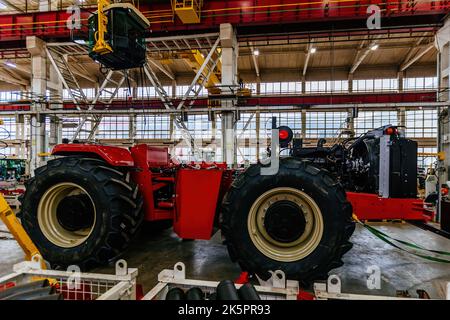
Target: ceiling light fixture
(313,50)
(11,64)
(374,47)
(80,41)
(256,52)
(3,6)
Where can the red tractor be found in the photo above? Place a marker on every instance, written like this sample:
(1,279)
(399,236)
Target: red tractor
(85,207)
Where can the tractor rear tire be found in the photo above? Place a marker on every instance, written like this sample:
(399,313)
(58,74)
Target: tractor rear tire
(81,211)
(298,221)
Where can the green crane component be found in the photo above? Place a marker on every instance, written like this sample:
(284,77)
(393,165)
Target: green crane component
(12,169)
(117,36)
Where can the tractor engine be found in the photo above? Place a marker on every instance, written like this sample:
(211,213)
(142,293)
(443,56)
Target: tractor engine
(381,161)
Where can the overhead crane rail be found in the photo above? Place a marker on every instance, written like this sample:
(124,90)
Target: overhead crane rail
(214,13)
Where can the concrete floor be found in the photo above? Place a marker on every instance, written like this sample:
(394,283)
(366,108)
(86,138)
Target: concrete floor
(209,260)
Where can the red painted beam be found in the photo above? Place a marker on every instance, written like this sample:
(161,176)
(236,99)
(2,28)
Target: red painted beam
(290,100)
(270,101)
(242,13)
(48,25)
(264,12)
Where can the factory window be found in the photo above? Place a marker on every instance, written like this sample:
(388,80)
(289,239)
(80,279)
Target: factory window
(124,93)
(6,151)
(107,93)
(375,85)
(368,120)
(246,139)
(89,93)
(6,96)
(252,86)
(114,128)
(316,86)
(199,127)
(182,153)
(421,123)
(290,119)
(246,153)
(246,126)
(422,83)
(66,95)
(153,127)
(181,91)
(326,86)
(150,92)
(271,88)
(424,161)
(8,129)
(69,127)
(324,124)
(340,86)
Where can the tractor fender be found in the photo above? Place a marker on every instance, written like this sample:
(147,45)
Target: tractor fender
(115,156)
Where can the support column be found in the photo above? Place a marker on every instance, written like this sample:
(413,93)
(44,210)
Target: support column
(174,89)
(38,143)
(230,53)
(258,85)
(401,117)
(303,84)
(400,77)
(132,129)
(258,130)
(21,147)
(350,83)
(56,90)
(304,116)
(443,70)
(351,122)
(44,5)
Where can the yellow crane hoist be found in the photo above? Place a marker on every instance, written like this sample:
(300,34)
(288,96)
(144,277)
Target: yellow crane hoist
(101,46)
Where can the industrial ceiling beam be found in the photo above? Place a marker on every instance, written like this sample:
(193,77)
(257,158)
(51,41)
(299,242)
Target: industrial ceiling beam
(417,57)
(17,67)
(79,71)
(167,72)
(11,78)
(308,56)
(255,60)
(412,50)
(362,54)
(13,6)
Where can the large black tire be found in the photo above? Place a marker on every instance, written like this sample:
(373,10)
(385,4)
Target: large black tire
(329,196)
(116,204)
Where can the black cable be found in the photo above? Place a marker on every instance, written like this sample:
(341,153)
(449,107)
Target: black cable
(3,144)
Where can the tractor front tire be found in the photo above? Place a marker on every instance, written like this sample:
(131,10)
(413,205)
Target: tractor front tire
(81,211)
(298,221)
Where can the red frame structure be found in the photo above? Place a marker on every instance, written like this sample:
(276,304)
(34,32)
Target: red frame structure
(372,207)
(14,28)
(266,101)
(197,189)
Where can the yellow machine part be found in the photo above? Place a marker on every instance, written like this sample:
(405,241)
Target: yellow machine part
(101,47)
(189,11)
(195,60)
(15,227)
(440,155)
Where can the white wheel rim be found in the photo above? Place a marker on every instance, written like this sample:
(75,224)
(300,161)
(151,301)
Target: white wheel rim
(48,221)
(281,251)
